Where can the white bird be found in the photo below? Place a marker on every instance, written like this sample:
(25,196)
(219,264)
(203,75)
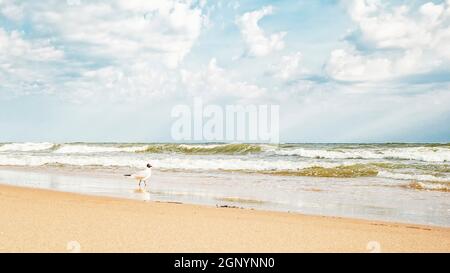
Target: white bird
(142,176)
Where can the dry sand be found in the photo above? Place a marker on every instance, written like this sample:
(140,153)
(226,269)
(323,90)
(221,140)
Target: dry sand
(34,220)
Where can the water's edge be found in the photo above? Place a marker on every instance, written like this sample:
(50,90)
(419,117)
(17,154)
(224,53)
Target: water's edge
(334,197)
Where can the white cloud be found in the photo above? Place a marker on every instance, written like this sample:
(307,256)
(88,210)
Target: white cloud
(14,47)
(258,43)
(141,81)
(401,41)
(350,65)
(115,50)
(359,9)
(11,9)
(399,26)
(159,31)
(289,67)
(118,84)
(25,66)
(215,82)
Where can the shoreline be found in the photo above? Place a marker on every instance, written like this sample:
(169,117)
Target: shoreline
(37,220)
(389,200)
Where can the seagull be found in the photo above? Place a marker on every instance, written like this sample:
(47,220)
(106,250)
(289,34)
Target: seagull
(142,176)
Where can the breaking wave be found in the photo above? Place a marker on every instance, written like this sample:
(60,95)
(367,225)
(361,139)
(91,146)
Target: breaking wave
(95,149)
(425,153)
(357,170)
(27,147)
(428,154)
(404,162)
(413,176)
(429,186)
(133,148)
(204,149)
(254,165)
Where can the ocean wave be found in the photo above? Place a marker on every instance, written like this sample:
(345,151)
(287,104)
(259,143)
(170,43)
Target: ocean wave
(350,171)
(413,176)
(433,168)
(428,154)
(424,153)
(272,166)
(82,148)
(168,163)
(27,147)
(93,149)
(205,149)
(430,186)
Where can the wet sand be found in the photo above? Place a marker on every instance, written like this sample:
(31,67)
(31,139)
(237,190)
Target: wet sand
(33,220)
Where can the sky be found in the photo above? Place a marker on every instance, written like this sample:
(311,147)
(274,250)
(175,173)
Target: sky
(112,71)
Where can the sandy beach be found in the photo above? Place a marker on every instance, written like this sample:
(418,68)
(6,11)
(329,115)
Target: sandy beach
(35,220)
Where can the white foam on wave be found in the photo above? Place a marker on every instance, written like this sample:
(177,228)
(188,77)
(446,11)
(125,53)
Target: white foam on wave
(414,177)
(200,146)
(421,153)
(184,163)
(431,186)
(92,149)
(310,153)
(427,154)
(238,164)
(75,160)
(194,164)
(26,147)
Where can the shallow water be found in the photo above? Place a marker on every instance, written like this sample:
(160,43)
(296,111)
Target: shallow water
(425,163)
(373,198)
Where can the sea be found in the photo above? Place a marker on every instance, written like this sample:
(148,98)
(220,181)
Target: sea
(396,182)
